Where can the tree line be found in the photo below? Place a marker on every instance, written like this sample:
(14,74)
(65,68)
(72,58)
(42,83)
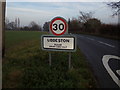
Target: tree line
(86,23)
(15,25)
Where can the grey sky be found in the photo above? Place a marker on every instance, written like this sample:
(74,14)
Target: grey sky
(40,12)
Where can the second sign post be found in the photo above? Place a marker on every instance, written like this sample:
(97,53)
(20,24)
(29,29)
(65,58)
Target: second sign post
(59,40)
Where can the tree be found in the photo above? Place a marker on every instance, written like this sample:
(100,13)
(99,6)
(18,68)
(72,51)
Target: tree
(12,25)
(6,20)
(73,25)
(46,26)
(115,6)
(84,17)
(69,25)
(6,23)
(26,28)
(93,25)
(18,24)
(34,26)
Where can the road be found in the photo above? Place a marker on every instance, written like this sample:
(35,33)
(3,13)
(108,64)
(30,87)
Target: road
(103,55)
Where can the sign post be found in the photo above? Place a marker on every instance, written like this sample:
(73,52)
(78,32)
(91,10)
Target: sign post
(50,58)
(60,40)
(69,60)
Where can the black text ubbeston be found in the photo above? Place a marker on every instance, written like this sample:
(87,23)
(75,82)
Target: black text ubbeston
(58,40)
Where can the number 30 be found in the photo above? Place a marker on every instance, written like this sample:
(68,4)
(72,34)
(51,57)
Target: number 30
(60,26)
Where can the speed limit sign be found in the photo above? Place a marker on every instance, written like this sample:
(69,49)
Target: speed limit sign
(58,26)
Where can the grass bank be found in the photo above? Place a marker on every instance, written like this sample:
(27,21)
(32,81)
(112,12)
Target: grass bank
(26,65)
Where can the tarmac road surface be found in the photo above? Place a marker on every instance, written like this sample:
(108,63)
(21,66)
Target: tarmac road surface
(104,58)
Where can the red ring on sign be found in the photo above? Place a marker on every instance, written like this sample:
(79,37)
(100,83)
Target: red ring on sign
(58,18)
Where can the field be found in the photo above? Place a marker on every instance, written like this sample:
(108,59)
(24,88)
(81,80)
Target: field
(26,65)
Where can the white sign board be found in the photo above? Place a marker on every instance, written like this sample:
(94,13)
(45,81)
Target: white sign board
(61,43)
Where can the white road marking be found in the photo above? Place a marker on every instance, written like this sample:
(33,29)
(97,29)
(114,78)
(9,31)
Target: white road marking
(105,60)
(99,42)
(106,44)
(118,72)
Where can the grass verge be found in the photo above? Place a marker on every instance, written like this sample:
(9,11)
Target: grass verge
(26,66)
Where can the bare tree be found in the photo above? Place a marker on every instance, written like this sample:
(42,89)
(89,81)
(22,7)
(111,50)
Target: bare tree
(84,17)
(12,26)
(115,6)
(6,23)
(7,20)
(18,23)
(34,26)
(46,26)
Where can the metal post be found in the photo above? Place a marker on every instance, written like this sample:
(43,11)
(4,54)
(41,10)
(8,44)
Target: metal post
(69,60)
(50,58)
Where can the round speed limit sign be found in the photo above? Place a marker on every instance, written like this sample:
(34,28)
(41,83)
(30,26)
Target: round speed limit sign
(58,26)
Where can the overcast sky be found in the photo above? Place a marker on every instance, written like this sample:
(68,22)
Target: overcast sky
(40,12)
